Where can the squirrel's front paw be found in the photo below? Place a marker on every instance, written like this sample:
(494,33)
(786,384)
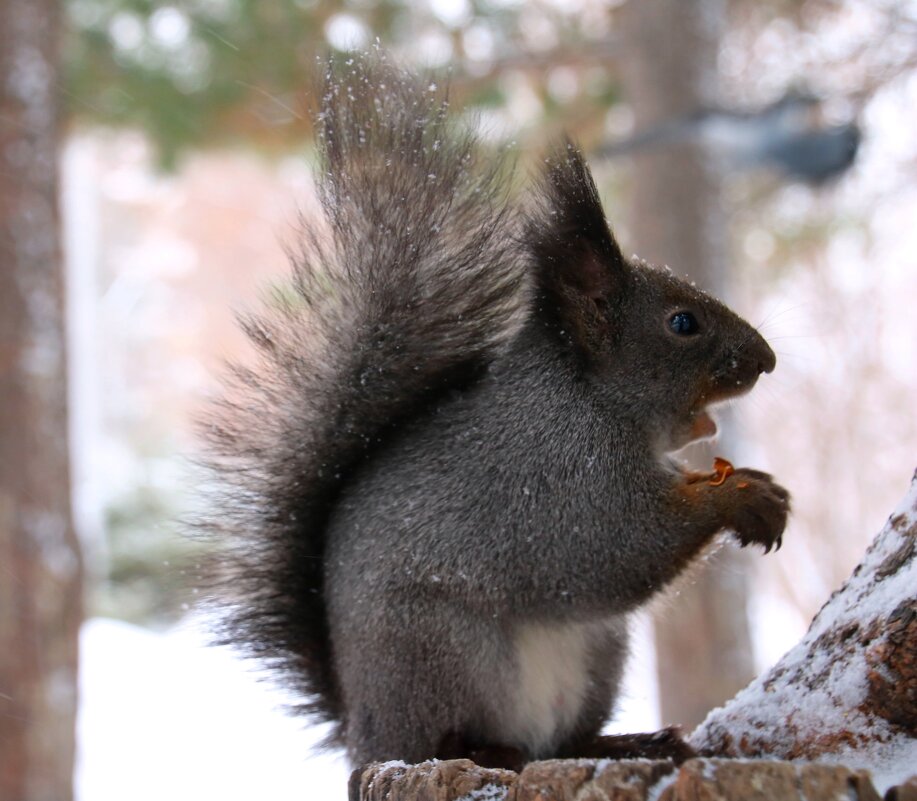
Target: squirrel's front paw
(758,508)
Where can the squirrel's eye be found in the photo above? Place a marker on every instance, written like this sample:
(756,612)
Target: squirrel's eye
(683,323)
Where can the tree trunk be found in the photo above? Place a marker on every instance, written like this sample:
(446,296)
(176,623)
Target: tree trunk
(703,644)
(848,692)
(40,566)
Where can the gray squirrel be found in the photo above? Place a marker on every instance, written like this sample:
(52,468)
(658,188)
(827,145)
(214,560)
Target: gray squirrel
(445,484)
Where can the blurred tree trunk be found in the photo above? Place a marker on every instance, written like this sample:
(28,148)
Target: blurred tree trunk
(40,565)
(703,644)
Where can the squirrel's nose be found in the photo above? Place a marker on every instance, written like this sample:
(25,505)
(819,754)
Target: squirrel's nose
(767,361)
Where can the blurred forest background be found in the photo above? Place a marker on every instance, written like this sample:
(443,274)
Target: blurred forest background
(765,148)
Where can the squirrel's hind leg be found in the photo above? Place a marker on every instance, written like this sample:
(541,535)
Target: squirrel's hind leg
(455,746)
(663,744)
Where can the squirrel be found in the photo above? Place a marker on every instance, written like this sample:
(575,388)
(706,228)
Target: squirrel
(445,484)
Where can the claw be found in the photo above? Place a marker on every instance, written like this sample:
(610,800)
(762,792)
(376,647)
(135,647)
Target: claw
(779,541)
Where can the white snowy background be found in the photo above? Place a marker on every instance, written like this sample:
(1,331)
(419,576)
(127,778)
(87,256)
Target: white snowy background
(163,715)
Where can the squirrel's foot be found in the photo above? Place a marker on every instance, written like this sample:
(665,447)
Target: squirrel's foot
(760,509)
(454,746)
(663,744)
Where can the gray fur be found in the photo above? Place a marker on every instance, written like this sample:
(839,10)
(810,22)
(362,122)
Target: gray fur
(453,455)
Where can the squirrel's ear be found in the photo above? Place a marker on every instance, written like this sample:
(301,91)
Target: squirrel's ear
(578,263)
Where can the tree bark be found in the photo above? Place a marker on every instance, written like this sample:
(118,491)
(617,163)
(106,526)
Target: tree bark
(703,643)
(40,565)
(848,692)
(624,780)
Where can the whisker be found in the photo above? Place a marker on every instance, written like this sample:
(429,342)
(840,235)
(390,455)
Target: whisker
(779,312)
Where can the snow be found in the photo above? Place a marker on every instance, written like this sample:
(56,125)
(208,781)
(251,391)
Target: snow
(165,716)
(785,708)
(489,792)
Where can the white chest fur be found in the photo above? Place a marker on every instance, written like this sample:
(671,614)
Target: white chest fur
(551,683)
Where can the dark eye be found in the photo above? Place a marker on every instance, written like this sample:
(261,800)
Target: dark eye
(683,323)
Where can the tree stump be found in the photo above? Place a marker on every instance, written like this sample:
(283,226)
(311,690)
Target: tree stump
(623,780)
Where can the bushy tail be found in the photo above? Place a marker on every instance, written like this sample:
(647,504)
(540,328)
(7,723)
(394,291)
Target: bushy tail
(404,288)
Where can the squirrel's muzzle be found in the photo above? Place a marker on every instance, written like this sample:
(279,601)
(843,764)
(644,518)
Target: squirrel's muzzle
(767,361)
(739,370)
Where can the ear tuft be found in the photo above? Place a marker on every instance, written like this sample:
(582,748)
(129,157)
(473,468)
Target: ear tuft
(576,258)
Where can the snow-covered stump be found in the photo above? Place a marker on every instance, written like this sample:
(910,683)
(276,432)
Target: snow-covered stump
(848,692)
(623,780)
